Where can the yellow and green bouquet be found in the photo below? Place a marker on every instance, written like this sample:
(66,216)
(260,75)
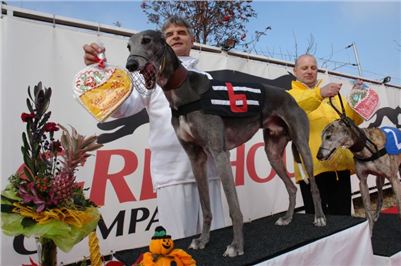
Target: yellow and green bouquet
(43,198)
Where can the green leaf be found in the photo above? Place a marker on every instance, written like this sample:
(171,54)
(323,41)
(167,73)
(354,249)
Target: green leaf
(89,140)
(25,140)
(29,92)
(65,142)
(65,236)
(28,173)
(24,151)
(7,208)
(93,147)
(36,89)
(27,160)
(8,198)
(48,93)
(44,119)
(9,194)
(29,104)
(28,131)
(35,150)
(27,222)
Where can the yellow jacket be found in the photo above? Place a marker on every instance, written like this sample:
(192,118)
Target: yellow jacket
(320,113)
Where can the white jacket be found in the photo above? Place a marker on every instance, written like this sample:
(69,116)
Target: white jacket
(169,162)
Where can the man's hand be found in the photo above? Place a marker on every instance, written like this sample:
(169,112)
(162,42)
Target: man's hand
(358,84)
(330,90)
(91,53)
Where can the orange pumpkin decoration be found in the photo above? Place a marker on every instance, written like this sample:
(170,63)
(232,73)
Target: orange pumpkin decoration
(162,252)
(161,243)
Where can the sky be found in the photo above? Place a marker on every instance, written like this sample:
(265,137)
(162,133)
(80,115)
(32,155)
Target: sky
(374,27)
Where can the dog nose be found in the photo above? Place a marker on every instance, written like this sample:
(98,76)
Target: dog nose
(319,155)
(132,65)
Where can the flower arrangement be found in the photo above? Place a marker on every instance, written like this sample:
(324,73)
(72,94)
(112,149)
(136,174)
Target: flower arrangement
(43,198)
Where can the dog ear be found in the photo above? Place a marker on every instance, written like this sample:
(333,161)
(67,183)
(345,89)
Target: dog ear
(163,39)
(161,36)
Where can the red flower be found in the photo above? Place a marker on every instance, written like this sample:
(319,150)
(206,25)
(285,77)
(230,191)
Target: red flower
(56,146)
(50,127)
(226,18)
(26,117)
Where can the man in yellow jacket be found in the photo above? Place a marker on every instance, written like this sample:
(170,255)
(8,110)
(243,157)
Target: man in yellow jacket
(333,176)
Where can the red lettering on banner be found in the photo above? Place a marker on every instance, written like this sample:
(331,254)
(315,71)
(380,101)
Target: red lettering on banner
(101,175)
(239,164)
(242,108)
(147,185)
(250,165)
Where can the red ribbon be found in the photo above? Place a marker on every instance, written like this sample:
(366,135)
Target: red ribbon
(101,62)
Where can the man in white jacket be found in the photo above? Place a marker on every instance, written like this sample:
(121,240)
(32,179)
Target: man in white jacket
(177,195)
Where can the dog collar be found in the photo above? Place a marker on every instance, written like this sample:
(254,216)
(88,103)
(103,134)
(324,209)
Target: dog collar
(176,79)
(374,156)
(358,146)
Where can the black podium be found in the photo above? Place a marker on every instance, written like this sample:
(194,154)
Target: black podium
(386,239)
(265,241)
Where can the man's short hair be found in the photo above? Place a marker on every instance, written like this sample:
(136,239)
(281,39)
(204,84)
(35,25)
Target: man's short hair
(304,55)
(179,21)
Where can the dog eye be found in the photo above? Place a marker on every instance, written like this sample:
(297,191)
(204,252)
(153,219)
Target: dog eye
(145,40)
(129,47)
(328,137)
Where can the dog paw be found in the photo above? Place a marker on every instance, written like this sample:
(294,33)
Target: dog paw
(198,243)
(283,221)
(376,217)
(233,251)
(320,221)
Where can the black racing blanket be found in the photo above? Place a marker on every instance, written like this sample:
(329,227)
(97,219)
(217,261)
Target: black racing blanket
(233,99)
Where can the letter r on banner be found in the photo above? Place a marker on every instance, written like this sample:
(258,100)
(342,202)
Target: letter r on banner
(102,175)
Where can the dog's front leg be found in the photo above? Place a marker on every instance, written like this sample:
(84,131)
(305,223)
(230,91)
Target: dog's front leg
(198,160)
(379,203)
(363,186)
(222,160)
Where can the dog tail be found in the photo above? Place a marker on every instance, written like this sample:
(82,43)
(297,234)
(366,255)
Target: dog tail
(300,164)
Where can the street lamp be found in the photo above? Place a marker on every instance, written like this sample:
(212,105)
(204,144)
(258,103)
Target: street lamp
(353,45)
(386,80)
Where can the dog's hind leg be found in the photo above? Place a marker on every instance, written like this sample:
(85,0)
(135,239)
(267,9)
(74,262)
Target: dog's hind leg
(198,160)
(395,183)
(379,203)
(274,148)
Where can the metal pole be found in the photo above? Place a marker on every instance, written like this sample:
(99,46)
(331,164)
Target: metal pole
(357,59)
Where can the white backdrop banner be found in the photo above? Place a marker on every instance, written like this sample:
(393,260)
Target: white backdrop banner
(118,177)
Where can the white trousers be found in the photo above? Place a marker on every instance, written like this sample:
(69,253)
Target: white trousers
(180,212)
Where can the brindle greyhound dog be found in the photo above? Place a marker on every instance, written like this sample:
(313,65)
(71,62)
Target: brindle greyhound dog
(204,135)
(370,157)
